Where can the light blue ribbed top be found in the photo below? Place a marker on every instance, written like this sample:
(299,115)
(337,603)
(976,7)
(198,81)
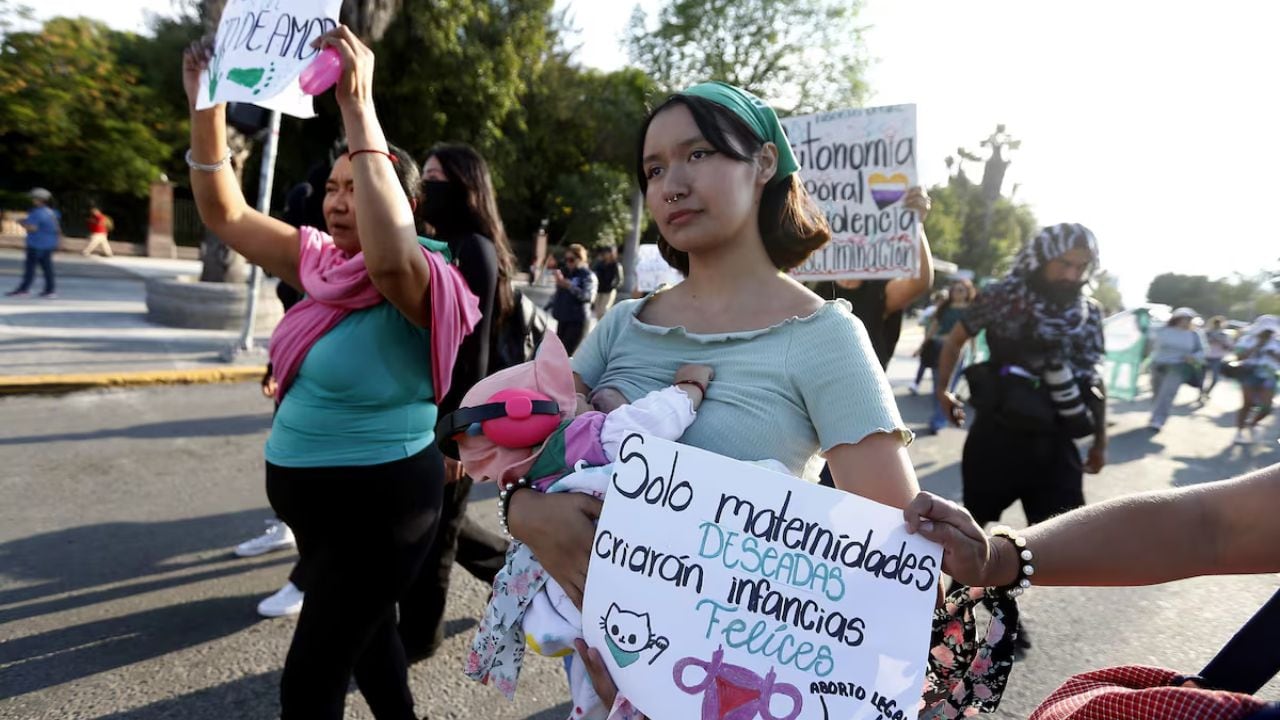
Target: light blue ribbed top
(786,392)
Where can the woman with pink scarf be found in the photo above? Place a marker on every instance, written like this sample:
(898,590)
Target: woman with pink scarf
(352,465)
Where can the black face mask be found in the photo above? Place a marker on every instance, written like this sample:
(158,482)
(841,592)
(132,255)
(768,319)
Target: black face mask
(444,204)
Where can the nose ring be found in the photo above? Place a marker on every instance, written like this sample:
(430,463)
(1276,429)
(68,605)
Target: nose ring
(675,198)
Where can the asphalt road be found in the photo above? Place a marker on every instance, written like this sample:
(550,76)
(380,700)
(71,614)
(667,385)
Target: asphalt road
(119,597)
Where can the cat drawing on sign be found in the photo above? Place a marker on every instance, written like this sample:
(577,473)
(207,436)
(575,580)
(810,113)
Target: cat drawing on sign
(628,634)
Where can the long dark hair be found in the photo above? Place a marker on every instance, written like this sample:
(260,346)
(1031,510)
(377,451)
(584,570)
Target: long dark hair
(463,165)
(791,223)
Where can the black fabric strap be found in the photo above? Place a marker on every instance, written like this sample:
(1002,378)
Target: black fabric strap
(463,418)
(1251,658)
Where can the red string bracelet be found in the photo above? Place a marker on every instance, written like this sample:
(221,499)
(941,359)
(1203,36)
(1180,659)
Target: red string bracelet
(701,386)
(351,155)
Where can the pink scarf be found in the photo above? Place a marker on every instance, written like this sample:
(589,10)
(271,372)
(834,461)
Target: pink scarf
(338,284)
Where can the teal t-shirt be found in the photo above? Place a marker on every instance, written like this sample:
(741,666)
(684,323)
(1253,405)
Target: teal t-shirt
(363,395)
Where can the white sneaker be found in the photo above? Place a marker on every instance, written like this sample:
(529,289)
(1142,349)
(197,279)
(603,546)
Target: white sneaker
(286,601)
(915,388)
(1240,439)
(1253,434)
(277,536)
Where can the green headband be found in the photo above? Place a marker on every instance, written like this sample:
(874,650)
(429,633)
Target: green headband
(758,116)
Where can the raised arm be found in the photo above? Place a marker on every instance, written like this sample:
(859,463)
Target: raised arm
(900,293)
(388,234)
(263,240)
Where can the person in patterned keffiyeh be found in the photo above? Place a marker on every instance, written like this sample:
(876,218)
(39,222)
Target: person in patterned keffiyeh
(1046,341)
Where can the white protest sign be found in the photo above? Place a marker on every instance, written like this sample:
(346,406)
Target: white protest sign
(652,271)
(858,165)
(722,590)
(261,47)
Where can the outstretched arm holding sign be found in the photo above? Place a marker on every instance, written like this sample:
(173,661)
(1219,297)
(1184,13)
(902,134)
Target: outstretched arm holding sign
(364,184)
(901,292)
(263,240)
(388,235)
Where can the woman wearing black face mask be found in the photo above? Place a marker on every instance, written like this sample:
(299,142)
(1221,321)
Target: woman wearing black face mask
(459,207)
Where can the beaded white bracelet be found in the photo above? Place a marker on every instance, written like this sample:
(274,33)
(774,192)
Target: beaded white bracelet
(504,503)
(1026,568)
(206,167)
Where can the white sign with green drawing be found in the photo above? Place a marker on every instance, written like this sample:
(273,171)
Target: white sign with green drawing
(261,47)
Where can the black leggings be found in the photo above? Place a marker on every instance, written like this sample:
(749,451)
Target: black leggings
(460,538)
(1002,466)
(362,533)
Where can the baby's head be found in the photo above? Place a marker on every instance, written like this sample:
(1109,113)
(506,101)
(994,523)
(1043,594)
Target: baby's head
(505,418)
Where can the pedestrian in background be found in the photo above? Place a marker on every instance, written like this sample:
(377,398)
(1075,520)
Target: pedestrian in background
(1259,354)
(926,320)
(1218,345)
(1039,394)
(459,206)
(99,225)
(879,304)
(608,279)
(949,312)
(1177,357)
(303,207)
(44,232)
(575,290)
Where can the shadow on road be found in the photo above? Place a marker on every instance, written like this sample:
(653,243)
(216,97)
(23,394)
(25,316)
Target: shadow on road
(1132,445)
(1233,461)
(90,556)
(167,430)
(249,698)
(59,656)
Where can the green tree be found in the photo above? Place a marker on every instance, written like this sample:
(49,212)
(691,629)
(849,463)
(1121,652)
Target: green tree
(1240,297)
(801,55)
(1106,290)
(593,206)
(955,226)
(573,122)
(456,70)
(72,114)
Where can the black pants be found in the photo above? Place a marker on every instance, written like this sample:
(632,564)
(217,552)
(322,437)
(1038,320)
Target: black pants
(570,334)
(43,258)
(1002,466)
(480,552)
(363,533)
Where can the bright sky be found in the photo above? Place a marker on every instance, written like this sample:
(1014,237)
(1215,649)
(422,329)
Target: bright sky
(1150,121)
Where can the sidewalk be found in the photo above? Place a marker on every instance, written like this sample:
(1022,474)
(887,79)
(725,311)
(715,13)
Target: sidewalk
(96,334)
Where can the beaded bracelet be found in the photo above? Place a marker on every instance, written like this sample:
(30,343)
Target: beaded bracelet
(1026,568)
(504,502)
(207,167)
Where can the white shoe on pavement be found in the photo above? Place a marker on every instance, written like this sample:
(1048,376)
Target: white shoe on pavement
(277,536)
(286,601)
(1253,434)
(1240,438)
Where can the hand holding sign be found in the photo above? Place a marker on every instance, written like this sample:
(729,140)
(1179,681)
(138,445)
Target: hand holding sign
(354,89)
(322,73)
(260,48)
(195,60)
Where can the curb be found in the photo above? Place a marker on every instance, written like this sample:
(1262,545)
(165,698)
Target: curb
(58,384)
